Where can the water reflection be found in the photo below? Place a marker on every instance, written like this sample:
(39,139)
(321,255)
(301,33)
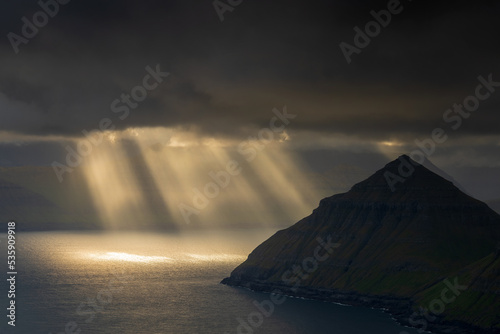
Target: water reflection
(128,257)
(119,283)
(114,256)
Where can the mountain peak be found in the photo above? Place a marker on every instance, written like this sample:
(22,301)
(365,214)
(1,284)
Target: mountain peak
(405,174)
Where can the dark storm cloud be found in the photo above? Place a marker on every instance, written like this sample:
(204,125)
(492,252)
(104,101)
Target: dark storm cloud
(228,75)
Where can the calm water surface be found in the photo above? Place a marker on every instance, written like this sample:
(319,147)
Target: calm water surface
(116,283)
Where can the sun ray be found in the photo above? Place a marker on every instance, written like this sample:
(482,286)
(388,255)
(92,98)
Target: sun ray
(140,176)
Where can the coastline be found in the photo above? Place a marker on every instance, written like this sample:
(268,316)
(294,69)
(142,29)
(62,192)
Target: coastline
(399,308)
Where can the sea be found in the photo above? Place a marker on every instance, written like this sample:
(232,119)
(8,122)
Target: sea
(156,283)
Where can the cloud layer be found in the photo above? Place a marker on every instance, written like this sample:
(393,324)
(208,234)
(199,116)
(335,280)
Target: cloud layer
(227,76)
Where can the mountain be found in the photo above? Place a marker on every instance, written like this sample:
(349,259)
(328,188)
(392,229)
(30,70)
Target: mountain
(495,205)
(436,170)
(33,197)
(405,239)
(33,211)
(70,204)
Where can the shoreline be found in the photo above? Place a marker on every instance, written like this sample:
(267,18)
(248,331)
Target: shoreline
(400,309)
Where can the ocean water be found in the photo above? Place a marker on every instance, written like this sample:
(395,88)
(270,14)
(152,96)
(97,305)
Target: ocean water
(116,283)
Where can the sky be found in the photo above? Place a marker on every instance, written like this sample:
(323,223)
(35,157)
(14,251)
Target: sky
(221,71)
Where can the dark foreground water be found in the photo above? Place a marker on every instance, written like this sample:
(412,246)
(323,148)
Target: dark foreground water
(157,283)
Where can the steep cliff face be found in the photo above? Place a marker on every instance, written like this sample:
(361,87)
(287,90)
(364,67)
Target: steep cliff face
(394,243)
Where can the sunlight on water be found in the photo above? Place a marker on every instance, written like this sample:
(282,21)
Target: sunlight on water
(102,250)
(217,257)
(113,256)
(134,283)
(127,257)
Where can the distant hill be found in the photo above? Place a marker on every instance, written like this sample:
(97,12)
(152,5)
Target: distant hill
(495,205)
(34,198)
(397,250)
(35,212)
(69,204)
